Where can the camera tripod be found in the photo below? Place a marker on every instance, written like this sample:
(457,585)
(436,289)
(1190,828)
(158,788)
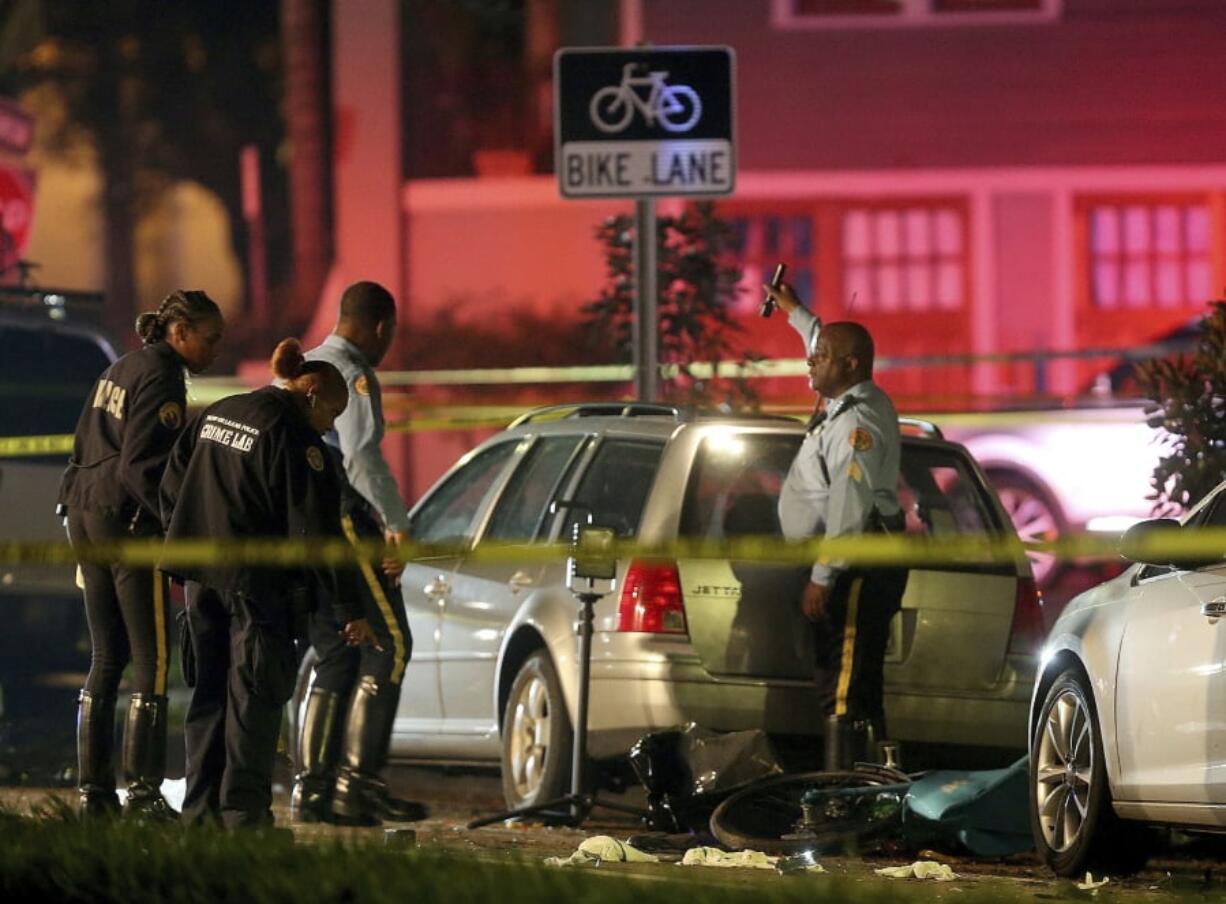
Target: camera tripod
(574,808)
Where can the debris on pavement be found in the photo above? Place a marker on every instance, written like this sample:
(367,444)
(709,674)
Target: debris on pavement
(602,849)
(710,856)
(1090,884)
(920,869)
(804,862)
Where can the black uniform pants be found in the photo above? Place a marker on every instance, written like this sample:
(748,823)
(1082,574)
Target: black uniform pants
(339,666)
(242,660)
(127,611)
(851,642)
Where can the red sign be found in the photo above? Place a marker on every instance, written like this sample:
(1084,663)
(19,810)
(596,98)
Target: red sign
(16,212)
(16,127)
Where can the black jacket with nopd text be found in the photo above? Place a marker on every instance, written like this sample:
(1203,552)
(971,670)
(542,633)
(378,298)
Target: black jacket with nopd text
(251,467)
(124,435)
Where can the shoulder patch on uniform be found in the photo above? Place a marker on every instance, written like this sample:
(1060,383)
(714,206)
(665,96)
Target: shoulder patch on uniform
(171,415)
(861,440)
(362,386)
(855,472)
(315,458)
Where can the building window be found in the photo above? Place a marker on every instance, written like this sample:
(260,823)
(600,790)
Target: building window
(763,240)
(889,13)
(1149,255)
(898,259)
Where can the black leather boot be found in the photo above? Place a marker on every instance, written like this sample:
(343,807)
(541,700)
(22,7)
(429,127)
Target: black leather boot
(361,796)
(96,755)
(846,743)
(835,759)
(318,751)
(144,759)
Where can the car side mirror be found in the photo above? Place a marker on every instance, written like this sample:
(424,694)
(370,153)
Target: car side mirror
(1158,542)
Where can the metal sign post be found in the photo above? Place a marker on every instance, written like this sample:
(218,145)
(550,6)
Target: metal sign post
(645,342)
(644,123)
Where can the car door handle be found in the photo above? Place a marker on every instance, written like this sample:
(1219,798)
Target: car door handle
(437,589)
(519,581)
(1215,609)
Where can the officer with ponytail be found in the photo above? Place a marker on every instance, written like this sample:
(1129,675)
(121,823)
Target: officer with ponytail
(109,492)
(253,467)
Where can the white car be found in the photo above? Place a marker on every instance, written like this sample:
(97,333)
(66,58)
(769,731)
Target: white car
(1128,716)
(1065,470)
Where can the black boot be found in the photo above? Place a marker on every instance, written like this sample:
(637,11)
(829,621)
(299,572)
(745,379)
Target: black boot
(144,759)
(846,743)
(835,761)
(96,755)
(361,796)
(318,750)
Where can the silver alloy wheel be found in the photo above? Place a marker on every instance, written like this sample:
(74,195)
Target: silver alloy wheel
(530,736)
(1064,769)
(1034,521)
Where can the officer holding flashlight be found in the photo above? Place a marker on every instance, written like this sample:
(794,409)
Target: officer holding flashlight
(843,483)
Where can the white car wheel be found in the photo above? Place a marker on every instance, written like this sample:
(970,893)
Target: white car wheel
(1075,826)
(536,736)
(1063,770)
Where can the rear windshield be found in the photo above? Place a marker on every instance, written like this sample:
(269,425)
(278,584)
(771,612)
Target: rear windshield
(44,378)
(735,483)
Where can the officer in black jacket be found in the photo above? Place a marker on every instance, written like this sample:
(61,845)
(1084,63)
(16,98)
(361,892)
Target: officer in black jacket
(110,492)
(252,466)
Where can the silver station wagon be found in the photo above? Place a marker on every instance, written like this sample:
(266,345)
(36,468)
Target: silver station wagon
(721,643)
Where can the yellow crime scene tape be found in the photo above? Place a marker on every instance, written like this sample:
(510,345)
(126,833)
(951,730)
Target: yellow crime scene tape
(1172,546)
(15,446)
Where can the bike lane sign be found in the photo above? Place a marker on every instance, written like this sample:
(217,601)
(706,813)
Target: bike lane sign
(644,121)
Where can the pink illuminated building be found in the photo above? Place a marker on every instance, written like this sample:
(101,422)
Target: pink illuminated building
(983,176)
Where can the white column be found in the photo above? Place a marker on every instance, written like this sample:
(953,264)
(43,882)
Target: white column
(367,175)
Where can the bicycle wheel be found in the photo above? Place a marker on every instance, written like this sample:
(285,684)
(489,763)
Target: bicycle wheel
(610,109)
(680,108)
(819,811)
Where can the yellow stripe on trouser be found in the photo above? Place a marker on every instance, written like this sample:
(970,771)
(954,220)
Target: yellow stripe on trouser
(376,590)
(849,648)
(159,622)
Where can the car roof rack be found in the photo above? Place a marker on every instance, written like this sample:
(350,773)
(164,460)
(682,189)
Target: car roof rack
(600,409)
(679,413)
(918,427)
(55,304)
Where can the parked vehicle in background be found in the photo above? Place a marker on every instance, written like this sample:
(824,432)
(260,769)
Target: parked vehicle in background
(1126,723)
(1065,470)
(49,360)
(720,643)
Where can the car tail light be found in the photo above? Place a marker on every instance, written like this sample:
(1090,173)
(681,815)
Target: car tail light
(1026,634)
(651,599)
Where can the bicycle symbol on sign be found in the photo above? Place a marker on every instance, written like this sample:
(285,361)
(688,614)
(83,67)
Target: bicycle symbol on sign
(676,107)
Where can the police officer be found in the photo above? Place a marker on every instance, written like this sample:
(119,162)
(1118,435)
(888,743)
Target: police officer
(110,492)
(251,466)
(347,721)
(844,482)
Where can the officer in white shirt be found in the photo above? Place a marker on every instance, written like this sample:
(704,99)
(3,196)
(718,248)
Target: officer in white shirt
(842,483)
(351,706)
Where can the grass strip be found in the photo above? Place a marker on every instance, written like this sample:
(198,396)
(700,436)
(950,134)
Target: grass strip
(57,856)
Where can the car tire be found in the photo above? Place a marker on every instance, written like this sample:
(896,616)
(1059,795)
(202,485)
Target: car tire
(1074,823)
(536,736)
(1035,516)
